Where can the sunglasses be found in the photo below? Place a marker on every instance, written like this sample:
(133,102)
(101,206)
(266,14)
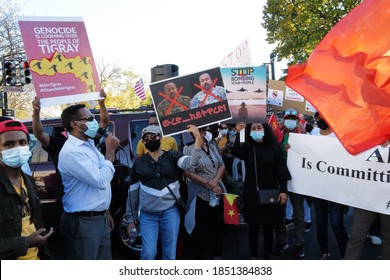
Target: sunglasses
(90,118)
(150,137)
(291,112)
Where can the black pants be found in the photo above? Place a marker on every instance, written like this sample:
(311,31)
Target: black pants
(206,238)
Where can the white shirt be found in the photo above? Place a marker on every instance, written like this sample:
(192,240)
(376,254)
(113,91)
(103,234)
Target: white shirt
(86,176)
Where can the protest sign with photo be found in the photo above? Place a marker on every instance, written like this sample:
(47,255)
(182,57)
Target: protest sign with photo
(60,59)
(321,167)
(246,93)
(198,99)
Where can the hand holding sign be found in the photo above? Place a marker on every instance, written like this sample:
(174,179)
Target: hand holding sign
(240,127)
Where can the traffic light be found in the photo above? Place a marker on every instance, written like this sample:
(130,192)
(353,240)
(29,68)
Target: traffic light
(24,73)
(10,73)
(165,71)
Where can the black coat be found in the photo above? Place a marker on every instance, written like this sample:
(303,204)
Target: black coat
(271,173)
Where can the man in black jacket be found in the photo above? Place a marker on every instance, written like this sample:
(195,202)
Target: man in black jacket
(21,222)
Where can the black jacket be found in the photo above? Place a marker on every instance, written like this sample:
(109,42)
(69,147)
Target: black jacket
(12,244)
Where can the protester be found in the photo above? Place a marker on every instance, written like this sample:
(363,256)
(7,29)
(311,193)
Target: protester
(22,232)
(204,220)
(208,94)
(324,208)
(85,224)
(26,166)
(168,143)
(182,102)
(362,222)
(266,169)
(53,144)
(292,124)
(153,191)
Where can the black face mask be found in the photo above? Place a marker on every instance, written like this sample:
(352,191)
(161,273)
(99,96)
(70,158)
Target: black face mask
(215,134)
(153,146)
(322,124)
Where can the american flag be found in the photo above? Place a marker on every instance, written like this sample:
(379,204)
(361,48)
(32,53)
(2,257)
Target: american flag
(139,89)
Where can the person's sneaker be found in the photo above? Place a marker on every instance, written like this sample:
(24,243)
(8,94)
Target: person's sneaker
(280,248)
(325,256)
(308,227)
(299,252)
(289,222)
(375,240)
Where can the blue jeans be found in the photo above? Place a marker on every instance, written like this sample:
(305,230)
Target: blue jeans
(166,223)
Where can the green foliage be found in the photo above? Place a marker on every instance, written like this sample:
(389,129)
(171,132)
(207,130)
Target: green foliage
(297,26)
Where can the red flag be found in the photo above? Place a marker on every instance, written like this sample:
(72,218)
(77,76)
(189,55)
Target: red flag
(347,77)
(139,89)
(230,210)
(272,121)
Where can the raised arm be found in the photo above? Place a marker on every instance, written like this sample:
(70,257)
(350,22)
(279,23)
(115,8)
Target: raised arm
(37,126)
(104,117)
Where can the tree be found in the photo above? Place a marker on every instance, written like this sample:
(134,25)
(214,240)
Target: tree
(119,86)
(297,26)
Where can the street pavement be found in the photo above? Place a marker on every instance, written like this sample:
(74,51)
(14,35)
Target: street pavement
(236,243)
(235,240)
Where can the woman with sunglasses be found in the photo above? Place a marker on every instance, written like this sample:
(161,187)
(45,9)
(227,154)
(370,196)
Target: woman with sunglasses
(204,220)
(154,191)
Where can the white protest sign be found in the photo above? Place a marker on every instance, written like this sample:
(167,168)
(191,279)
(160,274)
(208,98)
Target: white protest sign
(240,56)
(321,167)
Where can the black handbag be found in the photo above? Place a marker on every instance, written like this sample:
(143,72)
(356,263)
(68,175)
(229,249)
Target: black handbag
(265,196)
(268,196)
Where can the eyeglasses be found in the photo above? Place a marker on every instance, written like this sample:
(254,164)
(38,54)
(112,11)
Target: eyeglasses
(291,112)
(90,118)
(150,137)
(26,206)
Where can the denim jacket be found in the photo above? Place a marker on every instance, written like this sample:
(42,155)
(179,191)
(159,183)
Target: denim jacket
(12,244)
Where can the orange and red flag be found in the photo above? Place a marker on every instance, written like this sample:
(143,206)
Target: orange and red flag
(347,77)
(272,121)
(230,215)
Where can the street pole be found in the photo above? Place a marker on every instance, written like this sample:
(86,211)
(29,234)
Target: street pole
(272,59)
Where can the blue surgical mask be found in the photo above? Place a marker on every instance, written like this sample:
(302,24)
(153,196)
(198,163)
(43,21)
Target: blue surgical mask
(16,157)
(232,132)
(257,135)
(290,124)
(224,131)
(208,136)
(93,127)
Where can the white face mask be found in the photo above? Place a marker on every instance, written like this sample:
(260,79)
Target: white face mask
(16,157)
(208,136)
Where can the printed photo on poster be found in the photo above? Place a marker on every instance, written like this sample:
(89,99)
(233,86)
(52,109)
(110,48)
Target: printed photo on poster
(199,99)
(246,93)
(60,59)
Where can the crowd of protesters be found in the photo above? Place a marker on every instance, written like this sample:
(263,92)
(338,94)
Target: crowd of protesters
(207,168)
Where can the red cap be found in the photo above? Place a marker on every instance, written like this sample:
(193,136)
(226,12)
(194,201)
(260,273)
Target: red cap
(12,125)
